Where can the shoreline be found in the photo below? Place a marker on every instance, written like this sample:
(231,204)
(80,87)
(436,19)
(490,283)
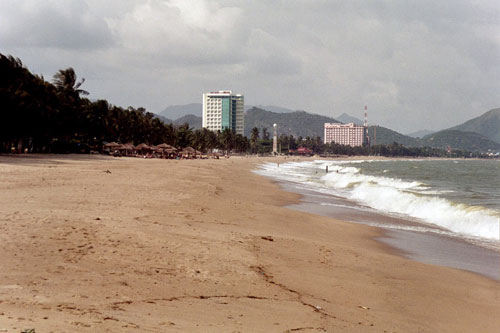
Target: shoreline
(205,246)
(422,246)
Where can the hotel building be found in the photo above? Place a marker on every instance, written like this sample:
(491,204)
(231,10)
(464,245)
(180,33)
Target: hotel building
(223,109)
(344,134)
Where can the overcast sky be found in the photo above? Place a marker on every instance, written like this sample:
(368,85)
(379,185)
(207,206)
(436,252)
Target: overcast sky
(422,64)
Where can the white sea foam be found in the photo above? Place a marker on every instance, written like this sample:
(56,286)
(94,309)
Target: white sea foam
(390,195)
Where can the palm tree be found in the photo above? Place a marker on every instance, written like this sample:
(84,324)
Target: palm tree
(226,139)
(241,143)
(199,140)
(184,136)
(254,138)
(210,138)
(65,81)
(265,134)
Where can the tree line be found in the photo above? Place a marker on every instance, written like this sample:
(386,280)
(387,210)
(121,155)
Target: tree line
(262,144)
(55,117)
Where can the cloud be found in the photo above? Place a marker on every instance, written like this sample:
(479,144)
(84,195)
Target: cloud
(52,23)
(181,32)
(416,65)
(269,55)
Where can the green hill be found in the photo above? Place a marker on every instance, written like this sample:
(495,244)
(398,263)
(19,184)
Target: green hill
(193,121)
(179,111)
(420,134)
(383,136)
(487,125)
(460,140)
(298,123)
(163,119)
(443,139)
(345,118)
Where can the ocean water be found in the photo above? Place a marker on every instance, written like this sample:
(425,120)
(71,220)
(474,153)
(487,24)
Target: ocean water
(457,198)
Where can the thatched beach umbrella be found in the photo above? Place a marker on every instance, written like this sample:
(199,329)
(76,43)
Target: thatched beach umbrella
(188,152)
(113,148)
(112,145)
(129,147)
(165,146)
(120,147)
(143,146)
(166,149)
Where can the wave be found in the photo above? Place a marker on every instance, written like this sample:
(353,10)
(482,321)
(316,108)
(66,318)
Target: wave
(390,195)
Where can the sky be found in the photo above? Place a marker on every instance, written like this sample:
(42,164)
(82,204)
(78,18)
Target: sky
(423,64)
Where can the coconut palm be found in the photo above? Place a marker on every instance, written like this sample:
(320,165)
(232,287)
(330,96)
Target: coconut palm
(65,80)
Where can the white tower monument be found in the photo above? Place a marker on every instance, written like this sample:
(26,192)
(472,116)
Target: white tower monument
(275,140)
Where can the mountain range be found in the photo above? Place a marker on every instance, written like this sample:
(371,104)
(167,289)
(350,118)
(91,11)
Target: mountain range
(487,124)
(178,111)
(479,134)
(420,134)
(196,109)
(346,119)
(460,140)
(297,123)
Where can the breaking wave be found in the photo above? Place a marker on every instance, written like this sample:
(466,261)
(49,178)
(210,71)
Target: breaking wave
(390,195)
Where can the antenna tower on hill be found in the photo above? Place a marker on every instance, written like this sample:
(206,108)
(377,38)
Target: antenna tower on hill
(366,117)
(365,124)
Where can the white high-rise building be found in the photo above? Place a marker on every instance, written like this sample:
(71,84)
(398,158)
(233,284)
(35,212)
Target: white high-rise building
(223,109)
(344,134)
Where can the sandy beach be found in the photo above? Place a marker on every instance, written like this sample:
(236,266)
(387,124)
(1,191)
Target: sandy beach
(100,244)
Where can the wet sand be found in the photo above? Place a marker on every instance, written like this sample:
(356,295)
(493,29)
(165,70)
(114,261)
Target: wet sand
(97,244)
(417,241)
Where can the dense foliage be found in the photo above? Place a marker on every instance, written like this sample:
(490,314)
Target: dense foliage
(54,117)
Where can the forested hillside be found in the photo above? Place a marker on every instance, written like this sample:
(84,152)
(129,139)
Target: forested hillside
(298,123)
(487,125)
(460,140)
(384,136)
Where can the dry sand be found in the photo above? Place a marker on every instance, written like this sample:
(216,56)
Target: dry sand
(96,244)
